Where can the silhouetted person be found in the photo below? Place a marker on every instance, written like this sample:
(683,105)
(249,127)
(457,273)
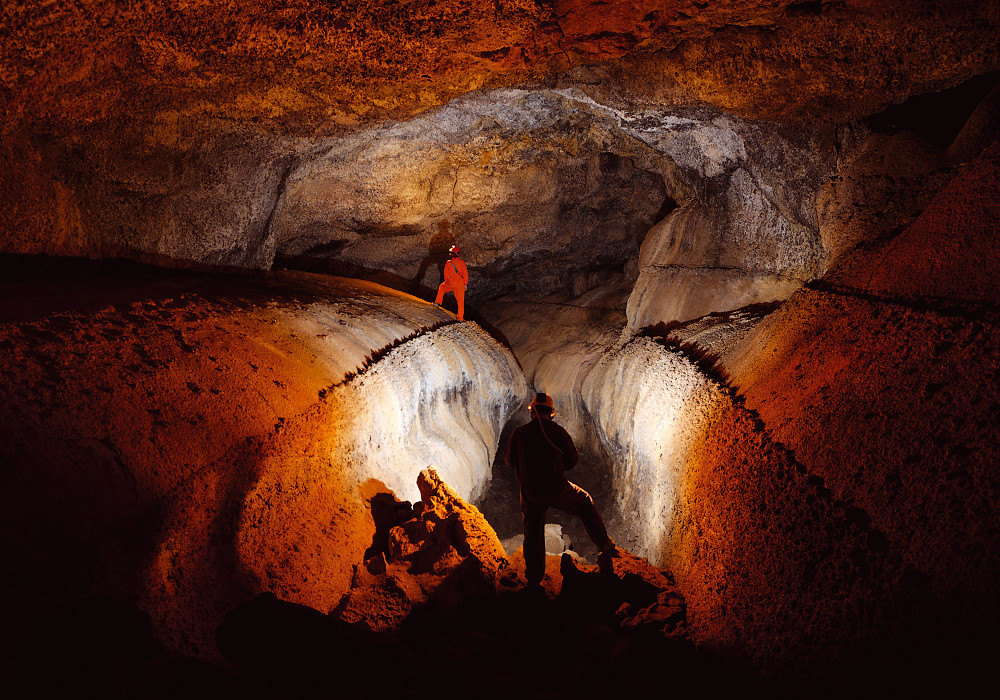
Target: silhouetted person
(456,278)
(539,452)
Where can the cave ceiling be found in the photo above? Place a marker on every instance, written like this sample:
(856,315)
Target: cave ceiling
(547,137)
(304,66)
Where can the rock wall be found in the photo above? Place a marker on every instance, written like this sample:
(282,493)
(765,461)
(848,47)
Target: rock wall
(849,459)
(947,253)
(816,471)
(171,191)
(184,444)
(749,235)
(314,66)
(553,353)
(649,407)
(547,191)
(823,495)
(894,367)
(537,186)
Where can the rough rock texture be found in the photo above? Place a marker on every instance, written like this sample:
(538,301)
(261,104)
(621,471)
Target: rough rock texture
(854,465)
(883,183)
(444,557)
(553,354)
(860,559)
(546,191)
(172,190)
(537,187)
(469,621)
(310,65)
(749,236)
(817,472)
(185,442)
(907,377)
(829,504)
(649,407)
(169,133)
(779,572)
(949,252)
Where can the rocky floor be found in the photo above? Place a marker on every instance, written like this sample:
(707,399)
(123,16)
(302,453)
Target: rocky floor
(587,632)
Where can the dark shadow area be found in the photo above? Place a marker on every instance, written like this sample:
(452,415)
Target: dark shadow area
(668,206)
(283,649)
(516,643)
(437,253)
(387,513)
(106,648)
(937,116)
(341,268)
(34,286)
(321,259)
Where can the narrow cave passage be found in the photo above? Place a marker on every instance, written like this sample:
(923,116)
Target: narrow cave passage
(500,505)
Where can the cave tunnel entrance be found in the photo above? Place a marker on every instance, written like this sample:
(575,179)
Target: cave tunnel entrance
(564,532)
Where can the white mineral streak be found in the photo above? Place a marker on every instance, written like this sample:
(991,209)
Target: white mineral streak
(650,405)
(440,399)
(709,149)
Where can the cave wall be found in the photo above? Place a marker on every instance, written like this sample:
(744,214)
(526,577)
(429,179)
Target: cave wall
(543,189)
(749,235)
(176,133)
(835,445)
(168,192)
(816,470)
(905,366)
(831,458)
(309,67)
(184,444)
(538,187)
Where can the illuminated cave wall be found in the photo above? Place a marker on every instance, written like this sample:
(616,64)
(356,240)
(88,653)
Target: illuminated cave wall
(828,454)
(187,443)
(610,169)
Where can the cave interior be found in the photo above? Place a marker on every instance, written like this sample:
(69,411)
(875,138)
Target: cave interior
(748,246)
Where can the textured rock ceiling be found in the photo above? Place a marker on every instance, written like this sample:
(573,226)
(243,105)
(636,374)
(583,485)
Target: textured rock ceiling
(340,137)
(325,66)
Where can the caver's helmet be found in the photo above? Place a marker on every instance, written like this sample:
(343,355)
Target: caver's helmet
(454,250)
(542,399)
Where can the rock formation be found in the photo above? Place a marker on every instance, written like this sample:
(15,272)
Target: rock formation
(163,437)
(748,245)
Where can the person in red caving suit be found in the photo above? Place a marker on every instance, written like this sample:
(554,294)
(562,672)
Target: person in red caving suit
(456,279)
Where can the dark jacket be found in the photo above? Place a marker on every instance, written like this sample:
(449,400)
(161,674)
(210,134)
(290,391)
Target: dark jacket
(536,461)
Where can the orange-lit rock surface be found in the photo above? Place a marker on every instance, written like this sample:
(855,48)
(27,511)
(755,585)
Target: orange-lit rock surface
(184,442)
(749,246)
(816,472)
(824,468)
(181,130)
(315,65)
(443,557)
(949,251)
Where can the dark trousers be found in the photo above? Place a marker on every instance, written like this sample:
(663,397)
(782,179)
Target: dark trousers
(569,499)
